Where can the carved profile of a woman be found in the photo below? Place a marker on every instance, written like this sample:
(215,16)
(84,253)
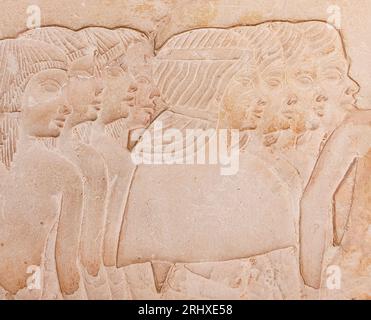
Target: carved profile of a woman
(42,186)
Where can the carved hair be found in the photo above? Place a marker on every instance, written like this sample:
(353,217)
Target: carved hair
(266,48)
(19,61)
(9,126)
(111,44)
(70,42)
(193,70)
(267,51)
(322,39)
(291,38)
(227,112)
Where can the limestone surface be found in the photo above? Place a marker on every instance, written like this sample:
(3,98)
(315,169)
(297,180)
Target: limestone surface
(185,150)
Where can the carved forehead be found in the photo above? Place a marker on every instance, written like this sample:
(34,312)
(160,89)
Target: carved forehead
(322,39)
(57,75)
(21,59)
(34,90)
(112,45)
(307,41)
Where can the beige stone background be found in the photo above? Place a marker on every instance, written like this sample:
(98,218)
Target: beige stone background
(168,17)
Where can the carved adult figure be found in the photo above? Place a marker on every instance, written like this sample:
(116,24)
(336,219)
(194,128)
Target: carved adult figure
(348,143)
(42,187)
(84,93)
(128,103)
(304,92)
(322,71)
(311,97)
(166,225)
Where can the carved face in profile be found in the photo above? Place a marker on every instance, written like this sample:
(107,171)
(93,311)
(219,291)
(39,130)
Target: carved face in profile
(84,90)
(324,87)
(282,108)
(242,108)
(44,106)
(140,58)
(119,93)
(337,87)
(320,77)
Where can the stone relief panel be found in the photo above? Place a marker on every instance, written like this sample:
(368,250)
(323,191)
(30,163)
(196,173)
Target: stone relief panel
(222,163)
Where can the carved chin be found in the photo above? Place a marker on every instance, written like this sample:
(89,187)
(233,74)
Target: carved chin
(53,131)
(312,124)
(92,116)
(349,104)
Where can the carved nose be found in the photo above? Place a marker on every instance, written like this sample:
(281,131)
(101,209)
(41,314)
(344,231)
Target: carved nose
(65,110)
(321,98)
(352,89)
(132,88)
(99,90)
(292,100)
(155,93)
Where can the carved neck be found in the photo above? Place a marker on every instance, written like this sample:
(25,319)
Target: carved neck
(116,130)
(82,132)
(26,141)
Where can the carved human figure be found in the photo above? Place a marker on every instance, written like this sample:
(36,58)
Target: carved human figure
(299,104)
(314,94)
(348,143)
(315,76)
(284,86)
(84,93)
(324,74)
(172,229)
(128,103)
(34,79)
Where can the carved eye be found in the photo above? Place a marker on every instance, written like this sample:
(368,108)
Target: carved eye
(261,103)
(333,76)
(50,86)
(274,82)
(143,80)
(114,71)
(132,88)
(83,74)
(86,73)
(305,79)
